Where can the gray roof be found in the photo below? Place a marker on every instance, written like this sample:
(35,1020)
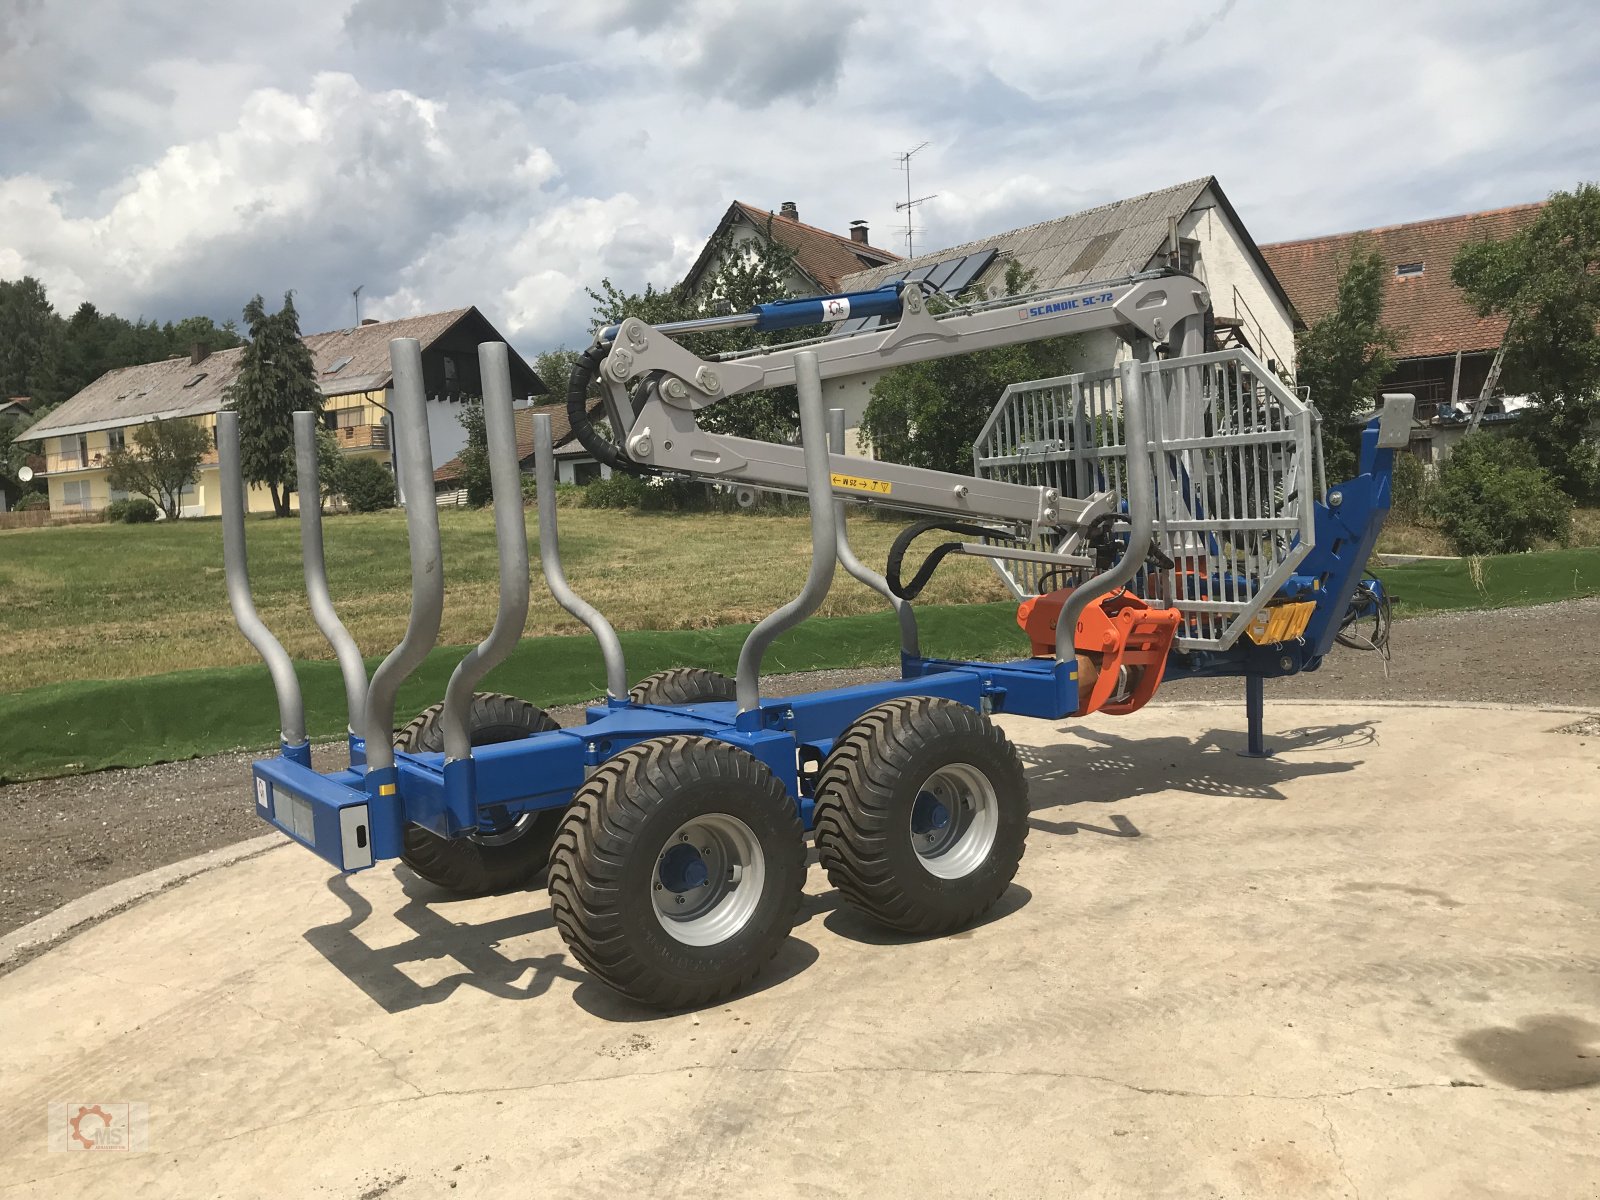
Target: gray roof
(176,387)
(1107,242)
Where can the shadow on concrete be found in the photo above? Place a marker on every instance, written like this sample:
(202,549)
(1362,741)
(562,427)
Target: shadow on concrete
(844,921)
(598,1000)
(1546,1053)
(474,948)
(1099,767)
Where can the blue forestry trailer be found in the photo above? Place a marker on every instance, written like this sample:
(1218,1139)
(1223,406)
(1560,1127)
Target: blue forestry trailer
(1163,518)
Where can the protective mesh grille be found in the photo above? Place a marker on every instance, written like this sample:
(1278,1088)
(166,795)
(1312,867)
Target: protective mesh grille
(1232,457)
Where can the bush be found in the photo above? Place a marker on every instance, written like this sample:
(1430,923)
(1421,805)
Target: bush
(648,495)
(366,485)
(135,510)
(33,502)
(1411,487)
(1492,497)
(620,491)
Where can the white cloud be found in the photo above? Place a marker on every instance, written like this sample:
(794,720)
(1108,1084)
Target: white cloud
(508,154)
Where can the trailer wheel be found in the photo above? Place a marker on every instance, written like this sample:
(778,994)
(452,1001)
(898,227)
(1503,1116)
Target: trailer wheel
(677,871)
(921,814)
(491,860)
(683,685)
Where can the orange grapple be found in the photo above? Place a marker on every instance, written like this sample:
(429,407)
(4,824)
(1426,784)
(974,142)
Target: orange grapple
(1119,631)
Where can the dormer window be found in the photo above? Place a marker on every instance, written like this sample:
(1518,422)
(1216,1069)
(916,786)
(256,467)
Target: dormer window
(1408,270)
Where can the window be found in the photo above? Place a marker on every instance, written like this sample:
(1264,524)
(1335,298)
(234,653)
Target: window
(117,439)
(344,418)
(75,493)
(450,374)
(1409,270)
(338,365)
(1188,255)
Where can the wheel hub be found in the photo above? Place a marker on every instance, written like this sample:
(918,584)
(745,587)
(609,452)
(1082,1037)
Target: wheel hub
(708,879)
(954,821)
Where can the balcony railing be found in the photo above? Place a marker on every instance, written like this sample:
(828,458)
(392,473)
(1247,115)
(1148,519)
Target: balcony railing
(362,437)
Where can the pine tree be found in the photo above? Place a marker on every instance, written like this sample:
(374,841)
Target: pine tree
(277,378)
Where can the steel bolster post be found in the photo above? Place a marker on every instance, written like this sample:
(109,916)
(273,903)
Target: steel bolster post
(544,467)
(353,670)
(1141,515)
(859,570)
(511,538)
(236,573)
(427,582)
(824,542)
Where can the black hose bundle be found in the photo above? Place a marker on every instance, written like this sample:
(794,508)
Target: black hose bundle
(902,543)
(583,426)
(1368,603)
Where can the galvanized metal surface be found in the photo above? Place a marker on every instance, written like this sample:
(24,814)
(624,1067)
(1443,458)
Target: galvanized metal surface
(422,531)
(854,566)
(824,535)
(236,574)
(308,478)
(1234,464)
(511,540)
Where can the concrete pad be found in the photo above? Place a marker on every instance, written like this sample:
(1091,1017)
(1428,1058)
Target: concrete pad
(1369,966)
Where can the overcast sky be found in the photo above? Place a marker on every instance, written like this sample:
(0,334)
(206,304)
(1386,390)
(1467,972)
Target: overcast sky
(176,156)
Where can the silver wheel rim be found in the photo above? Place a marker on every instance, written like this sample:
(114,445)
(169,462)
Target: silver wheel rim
(708,879)
(954,821)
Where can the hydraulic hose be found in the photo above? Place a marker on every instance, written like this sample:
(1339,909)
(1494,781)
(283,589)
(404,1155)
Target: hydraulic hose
(583,426)
(902,543)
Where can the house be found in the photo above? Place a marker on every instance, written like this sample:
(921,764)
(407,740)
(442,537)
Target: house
(1112,241)
(353,374)
(1446,349)
(821,259)
(574,464)
(16,412)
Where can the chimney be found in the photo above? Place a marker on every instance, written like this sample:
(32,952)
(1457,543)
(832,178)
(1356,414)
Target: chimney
(789,210)
(369,320)
(198,353)
(858,232)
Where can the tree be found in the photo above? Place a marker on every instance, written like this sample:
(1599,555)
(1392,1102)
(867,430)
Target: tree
(554,367)
(748,273)
(1345,356)
(928,414)
(475,456)
(12,459)
(1493,497)
(30,341)
(1545,280)
(164,460)
(276,379)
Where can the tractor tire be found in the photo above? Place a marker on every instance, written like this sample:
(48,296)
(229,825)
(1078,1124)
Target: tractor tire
(677,872)
(481,863)
(921,814)
(683,685)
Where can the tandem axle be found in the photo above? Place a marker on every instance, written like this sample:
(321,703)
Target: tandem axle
(1177,526)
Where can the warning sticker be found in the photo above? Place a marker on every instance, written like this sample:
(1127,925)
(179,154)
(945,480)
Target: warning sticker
(857,484)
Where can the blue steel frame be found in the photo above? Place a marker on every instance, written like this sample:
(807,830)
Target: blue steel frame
(355,817)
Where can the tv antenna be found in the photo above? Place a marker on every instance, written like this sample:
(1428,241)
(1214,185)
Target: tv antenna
(357,295)
(910,205)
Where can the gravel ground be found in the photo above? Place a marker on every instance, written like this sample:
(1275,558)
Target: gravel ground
(66,837)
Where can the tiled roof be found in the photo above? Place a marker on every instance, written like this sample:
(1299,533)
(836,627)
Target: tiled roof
(1431,315)
(825,257)
(560,434)
(175,387)
(1106,242)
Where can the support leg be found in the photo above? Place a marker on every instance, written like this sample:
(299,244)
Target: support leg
(1255,709)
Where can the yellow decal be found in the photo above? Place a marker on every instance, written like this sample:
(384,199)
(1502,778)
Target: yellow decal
(386,789)
(856,484)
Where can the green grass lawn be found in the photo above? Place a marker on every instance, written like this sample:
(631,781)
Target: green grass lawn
(116,647)
(123,601)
